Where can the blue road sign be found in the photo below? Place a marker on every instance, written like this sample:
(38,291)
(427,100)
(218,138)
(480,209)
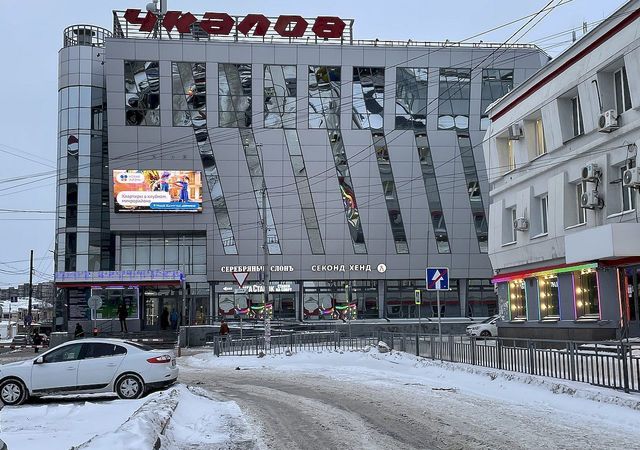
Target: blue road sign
(437,279)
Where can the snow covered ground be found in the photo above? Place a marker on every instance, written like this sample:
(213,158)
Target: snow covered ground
(96,422)
(386,401)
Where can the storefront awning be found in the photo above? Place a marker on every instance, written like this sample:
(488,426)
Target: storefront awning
(610,241)
(124,277)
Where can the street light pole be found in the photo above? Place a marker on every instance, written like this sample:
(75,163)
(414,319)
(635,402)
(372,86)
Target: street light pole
(266,269)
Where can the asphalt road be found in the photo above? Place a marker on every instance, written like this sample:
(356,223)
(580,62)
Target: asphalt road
(310,411)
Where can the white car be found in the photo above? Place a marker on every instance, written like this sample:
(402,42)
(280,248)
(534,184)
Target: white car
(89,366)
(486,328)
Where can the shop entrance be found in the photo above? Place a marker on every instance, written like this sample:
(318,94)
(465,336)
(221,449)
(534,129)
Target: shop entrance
(155,302)
(632,304)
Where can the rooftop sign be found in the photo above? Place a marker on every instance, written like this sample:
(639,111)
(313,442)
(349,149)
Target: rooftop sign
(222,24)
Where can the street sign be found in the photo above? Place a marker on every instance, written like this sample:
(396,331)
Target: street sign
(95,302)
(418,297)
(437,279)
(240,277)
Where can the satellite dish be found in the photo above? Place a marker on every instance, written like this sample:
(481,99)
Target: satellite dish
(152,7)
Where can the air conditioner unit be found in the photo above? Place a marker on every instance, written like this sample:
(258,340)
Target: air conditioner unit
(631,177)
(515,132)
(608,121)
(591,172)
(591,200)
(521,224)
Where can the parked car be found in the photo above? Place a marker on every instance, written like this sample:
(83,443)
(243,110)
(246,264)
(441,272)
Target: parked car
(486,328)
(89,366)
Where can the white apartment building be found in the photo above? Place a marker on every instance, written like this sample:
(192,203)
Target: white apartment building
(561,155)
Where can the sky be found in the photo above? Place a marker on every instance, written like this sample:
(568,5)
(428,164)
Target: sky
(31,35)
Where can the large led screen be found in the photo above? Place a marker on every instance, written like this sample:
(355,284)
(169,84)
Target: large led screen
(157,190)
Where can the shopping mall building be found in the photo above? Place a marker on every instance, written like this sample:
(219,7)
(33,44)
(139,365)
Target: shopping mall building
(171,126)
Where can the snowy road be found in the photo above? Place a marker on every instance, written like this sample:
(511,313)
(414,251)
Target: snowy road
(373,401)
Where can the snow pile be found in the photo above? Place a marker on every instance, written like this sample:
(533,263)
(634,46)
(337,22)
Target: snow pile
(142,429)
(201,420)
(178,418)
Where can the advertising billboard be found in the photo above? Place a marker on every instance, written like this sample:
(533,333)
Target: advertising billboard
(157,190)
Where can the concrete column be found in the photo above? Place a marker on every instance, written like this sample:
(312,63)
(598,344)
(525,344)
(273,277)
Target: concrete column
(381,300)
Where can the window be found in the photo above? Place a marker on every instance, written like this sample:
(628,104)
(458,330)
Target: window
(511,156)
(580,188)
(280,90)
(586,294)
(548,294)
(517,299)
(514,217)
(628,194)
(544,208)
(62,354)
(189,94)
(541,148)
(142,93)
(496,83)
(576,117)
(621,89)
(454,99)
(482,300)
(234,95)
(102,350)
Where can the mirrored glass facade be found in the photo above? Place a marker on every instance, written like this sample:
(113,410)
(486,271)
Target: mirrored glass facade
(454,98)
(234,91)
(165,251)
(234,95)
(189,81)
(280,91)
(473,188)
(368,113)
(496,83)
(324,112)
(142,93)
(411,100)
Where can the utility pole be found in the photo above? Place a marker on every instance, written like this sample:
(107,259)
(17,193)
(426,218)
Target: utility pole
(266,269)
(30,280)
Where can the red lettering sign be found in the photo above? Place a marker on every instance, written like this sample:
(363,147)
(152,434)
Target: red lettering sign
(326,27)
(217,23)
(285,21)
(181,21)
(146,23)
(258,20)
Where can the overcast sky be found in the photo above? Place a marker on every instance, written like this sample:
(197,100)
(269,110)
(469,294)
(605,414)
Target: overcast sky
(31,35)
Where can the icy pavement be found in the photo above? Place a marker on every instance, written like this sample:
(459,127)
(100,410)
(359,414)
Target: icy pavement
(370,400)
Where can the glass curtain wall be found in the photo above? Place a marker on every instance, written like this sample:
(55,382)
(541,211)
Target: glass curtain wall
(142,93)
(190,110)
(482,300)
(324,113)
(496,83)
(187,253)
(280,90)
(368,114)
(411,114)
(234,89)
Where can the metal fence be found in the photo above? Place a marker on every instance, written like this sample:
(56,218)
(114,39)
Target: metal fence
(290,342)
(608,364)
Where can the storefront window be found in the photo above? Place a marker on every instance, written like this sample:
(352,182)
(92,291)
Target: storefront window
(112,298)
(482,300)
(548,294)
(586,294)
(517,300)
(400,300)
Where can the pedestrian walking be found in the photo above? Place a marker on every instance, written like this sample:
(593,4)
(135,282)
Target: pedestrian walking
(123,313)
(164,318)
(174,319)
(79,332)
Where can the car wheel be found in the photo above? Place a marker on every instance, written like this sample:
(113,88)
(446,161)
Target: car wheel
(485,333)
(129,387)
(13,392)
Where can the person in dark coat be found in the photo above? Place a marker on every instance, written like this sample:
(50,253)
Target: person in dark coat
(164,318)
(174,319)
(224,328)
(123,313)
(79,332)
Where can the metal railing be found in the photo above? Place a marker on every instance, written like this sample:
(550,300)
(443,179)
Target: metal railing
(290,342)
(608,364)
